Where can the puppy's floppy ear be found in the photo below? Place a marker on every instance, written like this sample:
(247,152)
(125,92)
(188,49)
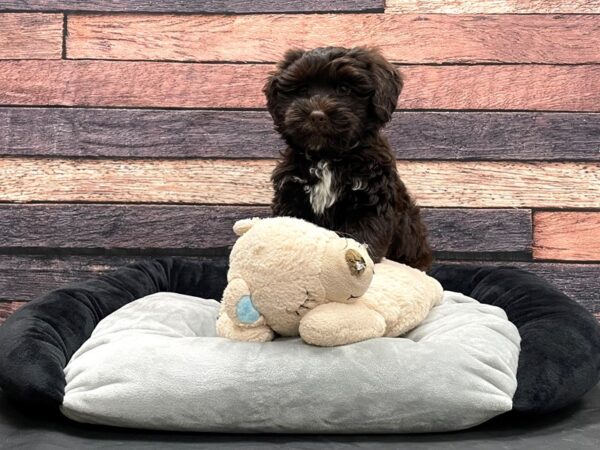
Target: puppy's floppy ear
(388,85)
(270,88)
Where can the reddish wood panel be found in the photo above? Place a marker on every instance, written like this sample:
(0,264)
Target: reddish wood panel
(186,229)
(146,181)
(567,236)
(8,308)
(402,38)
(110,83)
(250,134)
(194,6)
(106,83)
(493,6)
(503,184)
(31,36)
(434,184)
(570,88)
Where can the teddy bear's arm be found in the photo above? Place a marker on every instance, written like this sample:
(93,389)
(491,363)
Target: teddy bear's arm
(334,324)
(239,319)
(228,329)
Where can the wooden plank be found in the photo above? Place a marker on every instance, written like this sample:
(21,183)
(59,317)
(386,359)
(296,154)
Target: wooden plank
(572,39)
(106,83)
(137,133)
(250,134)
(567,235)
(434,183)
(147,181)
(502,87)
(493,6)
(27,277)
(579,281)
(192,228)
(503,184)
(31,36)
(183,85)
(188,228)
(495,136)
(193,6)
(479,230)
(7,308)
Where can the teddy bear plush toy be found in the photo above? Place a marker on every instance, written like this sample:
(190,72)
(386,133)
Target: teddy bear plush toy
(291,277)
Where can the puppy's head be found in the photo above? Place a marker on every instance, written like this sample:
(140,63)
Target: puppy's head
(328,98)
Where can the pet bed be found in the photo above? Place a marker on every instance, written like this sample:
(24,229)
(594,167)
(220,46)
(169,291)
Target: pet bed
(574,427)
(456,370)
(558,363)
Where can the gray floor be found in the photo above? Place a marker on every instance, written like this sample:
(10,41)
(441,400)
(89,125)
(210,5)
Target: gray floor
(577,427)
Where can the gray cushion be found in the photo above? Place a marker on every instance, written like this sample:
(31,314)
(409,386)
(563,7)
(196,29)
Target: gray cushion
(156,363)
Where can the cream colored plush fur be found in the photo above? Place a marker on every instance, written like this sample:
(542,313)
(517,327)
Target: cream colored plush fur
(308,281)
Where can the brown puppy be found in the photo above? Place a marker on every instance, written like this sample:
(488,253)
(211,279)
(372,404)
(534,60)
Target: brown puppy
(329,104)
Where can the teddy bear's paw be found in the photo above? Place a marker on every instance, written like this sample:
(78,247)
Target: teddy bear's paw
(228,329)
(339,323)
(237,303)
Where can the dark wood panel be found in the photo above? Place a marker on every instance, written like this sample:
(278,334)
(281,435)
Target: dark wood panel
(121,226)
(581,282)
(162,84)
(31,36)
(568,235)
(23,277)
(479,230)
(568,39)
(26,277)
(195,6)
(190,228)
(493,6)
(495,136)
(137,133)
(249,134)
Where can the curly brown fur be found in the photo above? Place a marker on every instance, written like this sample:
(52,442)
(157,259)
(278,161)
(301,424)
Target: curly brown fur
(329,104)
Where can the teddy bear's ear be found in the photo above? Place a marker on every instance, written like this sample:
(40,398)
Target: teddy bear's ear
(241,226)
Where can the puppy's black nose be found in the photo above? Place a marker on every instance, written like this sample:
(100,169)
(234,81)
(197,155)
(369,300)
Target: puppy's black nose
(318,117)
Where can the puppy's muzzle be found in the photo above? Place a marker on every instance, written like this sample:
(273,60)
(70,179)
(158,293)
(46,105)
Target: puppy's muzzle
(318,118)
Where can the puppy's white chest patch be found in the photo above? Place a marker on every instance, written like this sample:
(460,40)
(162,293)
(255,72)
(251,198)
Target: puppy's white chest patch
(322,194)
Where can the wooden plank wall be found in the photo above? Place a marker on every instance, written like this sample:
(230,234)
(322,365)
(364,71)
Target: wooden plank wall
(136,128)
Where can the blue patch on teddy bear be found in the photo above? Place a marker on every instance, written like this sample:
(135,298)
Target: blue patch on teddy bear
(245,311)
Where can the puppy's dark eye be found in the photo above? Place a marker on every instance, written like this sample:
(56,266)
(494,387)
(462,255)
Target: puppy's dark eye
(302,90)
(342,89)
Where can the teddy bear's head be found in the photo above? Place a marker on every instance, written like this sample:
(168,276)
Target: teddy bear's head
(282,267)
